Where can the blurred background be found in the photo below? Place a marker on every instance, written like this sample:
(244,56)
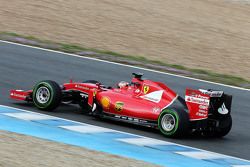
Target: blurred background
(209,34)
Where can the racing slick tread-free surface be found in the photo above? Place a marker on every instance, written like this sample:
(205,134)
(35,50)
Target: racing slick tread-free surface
(225,127)
(55,95)
(181,127)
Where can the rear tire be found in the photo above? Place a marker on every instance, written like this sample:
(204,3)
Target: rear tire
(173,123)
(47,95)
(225,126)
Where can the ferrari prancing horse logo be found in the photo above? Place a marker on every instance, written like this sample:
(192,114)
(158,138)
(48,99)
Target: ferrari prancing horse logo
(145,89)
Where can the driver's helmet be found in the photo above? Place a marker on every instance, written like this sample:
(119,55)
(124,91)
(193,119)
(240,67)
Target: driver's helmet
(123,84)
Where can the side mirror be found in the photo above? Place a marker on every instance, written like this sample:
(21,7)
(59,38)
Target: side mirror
(137,75)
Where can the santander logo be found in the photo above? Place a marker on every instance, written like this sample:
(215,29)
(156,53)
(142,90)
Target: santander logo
(197,100)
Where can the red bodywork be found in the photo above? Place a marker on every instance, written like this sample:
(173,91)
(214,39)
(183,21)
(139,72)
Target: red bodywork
(198,104)
(144,99)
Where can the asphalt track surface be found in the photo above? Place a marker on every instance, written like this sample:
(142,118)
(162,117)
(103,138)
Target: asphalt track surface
(21,67)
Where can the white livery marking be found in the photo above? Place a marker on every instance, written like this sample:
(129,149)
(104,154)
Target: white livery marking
(241,166)
(144,141)
(19,90)
(87,129)
(29,116)
(202,155)
(153,96)
(197,100)
(212,93)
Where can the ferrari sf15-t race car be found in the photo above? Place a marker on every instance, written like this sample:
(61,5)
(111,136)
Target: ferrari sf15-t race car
(142,101)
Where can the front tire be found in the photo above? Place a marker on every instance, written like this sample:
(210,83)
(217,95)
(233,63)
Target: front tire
(173,123)
(47,95)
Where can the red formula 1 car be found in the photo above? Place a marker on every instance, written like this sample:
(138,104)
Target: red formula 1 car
(141,101)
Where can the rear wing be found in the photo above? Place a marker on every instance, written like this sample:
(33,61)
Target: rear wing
(204,103)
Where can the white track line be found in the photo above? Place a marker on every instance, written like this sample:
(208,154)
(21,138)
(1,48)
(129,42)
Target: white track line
(28,116)
(105,61)
(144,141)
(86,129)
(228,156)
(201,155)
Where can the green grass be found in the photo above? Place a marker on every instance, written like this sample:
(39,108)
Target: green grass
(140,60)
(71,48)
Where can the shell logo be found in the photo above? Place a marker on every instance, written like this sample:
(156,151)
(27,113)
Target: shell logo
(105,102)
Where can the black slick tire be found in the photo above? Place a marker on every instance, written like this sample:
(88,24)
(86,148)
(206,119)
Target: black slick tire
(225,125)
(179,126)
(47,95)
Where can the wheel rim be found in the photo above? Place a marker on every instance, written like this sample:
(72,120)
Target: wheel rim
(43,95)
(168,122)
